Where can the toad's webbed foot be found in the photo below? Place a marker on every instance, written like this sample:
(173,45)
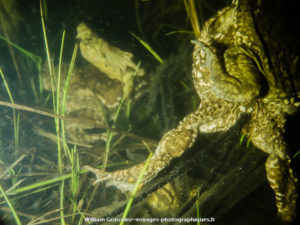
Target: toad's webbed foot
(101,176)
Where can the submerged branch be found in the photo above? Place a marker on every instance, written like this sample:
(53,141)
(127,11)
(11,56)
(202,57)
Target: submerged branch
(96,124)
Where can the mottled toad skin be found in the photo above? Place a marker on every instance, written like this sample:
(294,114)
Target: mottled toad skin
(97,86)
(237,69)
(91,96)
(112,61)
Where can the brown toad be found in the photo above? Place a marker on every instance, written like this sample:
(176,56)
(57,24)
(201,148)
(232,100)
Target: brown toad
(97,86)
(112,61)
(241,65)
(91,96)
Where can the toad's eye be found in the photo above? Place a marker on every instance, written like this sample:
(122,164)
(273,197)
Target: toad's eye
(203,53)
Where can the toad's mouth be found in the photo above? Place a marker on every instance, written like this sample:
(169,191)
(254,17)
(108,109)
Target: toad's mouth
(95,130)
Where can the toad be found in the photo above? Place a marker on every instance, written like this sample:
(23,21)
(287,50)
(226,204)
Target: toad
(91,96)
(112,61)
(241,65)
(97,86)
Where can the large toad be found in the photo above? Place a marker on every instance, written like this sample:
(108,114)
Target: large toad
(241,65)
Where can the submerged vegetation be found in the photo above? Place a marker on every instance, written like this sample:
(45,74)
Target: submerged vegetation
(60,174)
(42,180)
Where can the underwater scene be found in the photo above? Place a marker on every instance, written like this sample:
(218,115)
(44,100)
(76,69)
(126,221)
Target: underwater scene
(149,112)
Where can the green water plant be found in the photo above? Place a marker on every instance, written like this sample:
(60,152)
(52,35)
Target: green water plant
(137,185)
(16,116)
(13,211)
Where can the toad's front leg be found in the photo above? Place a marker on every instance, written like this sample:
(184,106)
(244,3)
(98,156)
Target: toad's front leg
(236,76)
(173,144)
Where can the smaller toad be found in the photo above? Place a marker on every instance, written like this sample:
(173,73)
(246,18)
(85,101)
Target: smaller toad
(91,96)
(112,61)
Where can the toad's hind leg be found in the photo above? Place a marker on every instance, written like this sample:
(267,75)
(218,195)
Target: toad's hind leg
(282,181)
(172,145)
(265,130)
